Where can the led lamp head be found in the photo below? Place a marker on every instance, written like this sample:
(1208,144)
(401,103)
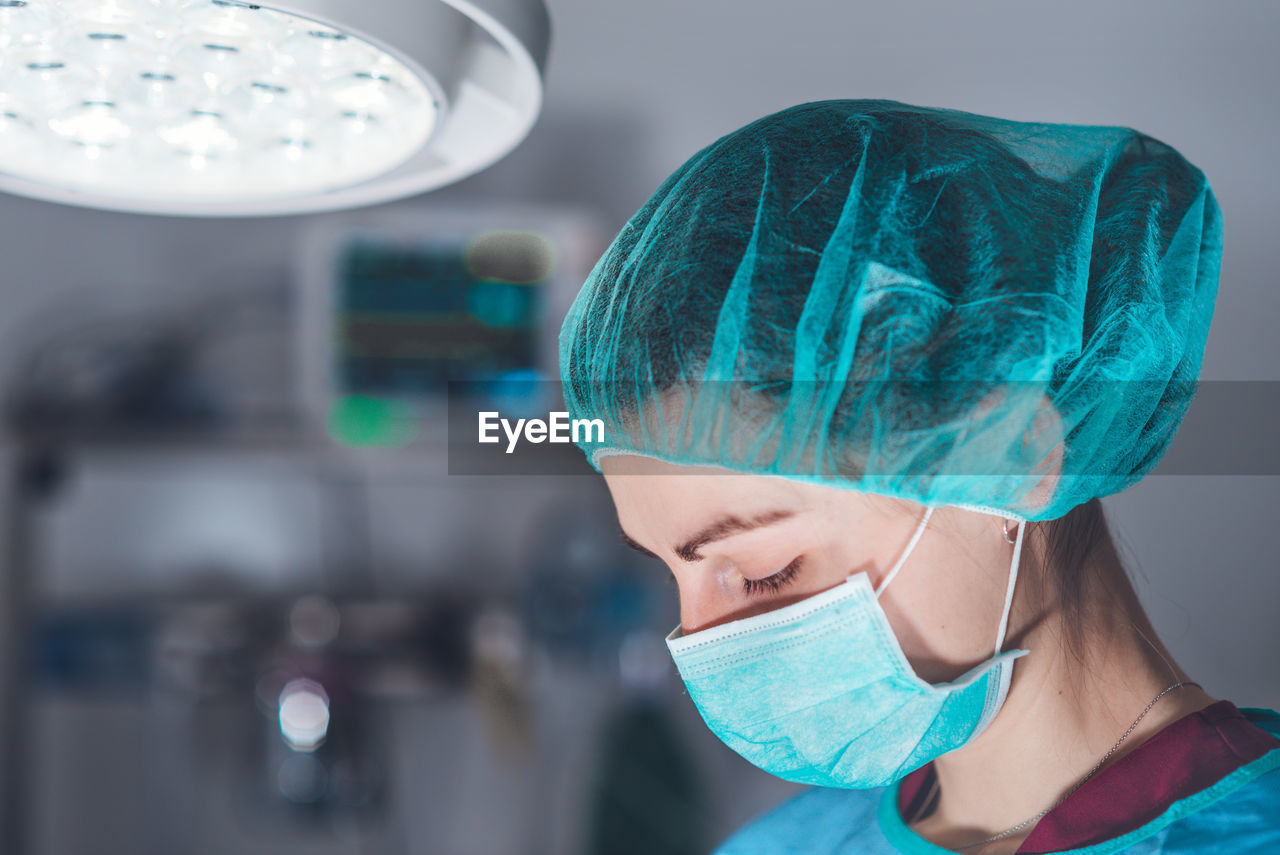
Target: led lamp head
(232,108)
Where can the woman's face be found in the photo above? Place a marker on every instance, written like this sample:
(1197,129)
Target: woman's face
(738,545)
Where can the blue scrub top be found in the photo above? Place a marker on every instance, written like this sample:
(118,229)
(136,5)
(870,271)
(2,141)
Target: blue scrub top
(1239,815)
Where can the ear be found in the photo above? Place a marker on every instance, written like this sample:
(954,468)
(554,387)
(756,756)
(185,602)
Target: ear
(1046,435)
(1034,426)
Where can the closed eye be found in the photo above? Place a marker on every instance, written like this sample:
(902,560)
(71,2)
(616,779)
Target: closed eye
(771,584)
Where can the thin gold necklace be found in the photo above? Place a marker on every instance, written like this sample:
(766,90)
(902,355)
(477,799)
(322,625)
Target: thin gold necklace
(1105,757)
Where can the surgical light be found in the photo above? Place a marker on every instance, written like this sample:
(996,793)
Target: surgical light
(224,107)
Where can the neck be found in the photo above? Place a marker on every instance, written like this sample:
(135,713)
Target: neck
(1064,712)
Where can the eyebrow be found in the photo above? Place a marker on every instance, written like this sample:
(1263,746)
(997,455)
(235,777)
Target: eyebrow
(725,526)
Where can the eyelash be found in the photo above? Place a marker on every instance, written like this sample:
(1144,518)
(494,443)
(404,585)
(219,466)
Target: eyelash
(772,583)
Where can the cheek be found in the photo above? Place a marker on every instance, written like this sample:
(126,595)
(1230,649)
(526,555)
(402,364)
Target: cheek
(945,616)
(712,595)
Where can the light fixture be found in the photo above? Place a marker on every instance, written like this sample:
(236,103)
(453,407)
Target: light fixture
(233,108)
(304,714)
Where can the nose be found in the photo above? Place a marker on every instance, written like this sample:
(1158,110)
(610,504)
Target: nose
(708,600)
(705,600)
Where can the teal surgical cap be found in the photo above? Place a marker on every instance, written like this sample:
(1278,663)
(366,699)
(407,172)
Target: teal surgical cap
(914,302)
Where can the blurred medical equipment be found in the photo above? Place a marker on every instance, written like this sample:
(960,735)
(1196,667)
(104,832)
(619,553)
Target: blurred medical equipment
(398,313)
(223,107)
(923,303)
(113,376)
(576,598)
(298,694)
(649,795)
(247,626)
(585,606)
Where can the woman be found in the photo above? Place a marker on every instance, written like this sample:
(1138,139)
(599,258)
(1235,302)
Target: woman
(866,370)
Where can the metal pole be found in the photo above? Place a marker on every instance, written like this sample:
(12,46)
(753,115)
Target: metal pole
(15,591)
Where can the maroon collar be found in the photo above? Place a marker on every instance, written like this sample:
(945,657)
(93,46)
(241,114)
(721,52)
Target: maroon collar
(1187,756)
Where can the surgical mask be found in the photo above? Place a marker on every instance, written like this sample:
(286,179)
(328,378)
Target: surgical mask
(819,692)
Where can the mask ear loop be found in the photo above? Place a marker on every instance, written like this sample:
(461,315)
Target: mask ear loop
(1013,581)
(1009,589)
(906,552)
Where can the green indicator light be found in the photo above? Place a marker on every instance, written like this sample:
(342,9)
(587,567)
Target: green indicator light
(361,420)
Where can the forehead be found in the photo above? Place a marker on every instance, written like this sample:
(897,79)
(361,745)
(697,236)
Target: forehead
(632,474)
(655,494)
